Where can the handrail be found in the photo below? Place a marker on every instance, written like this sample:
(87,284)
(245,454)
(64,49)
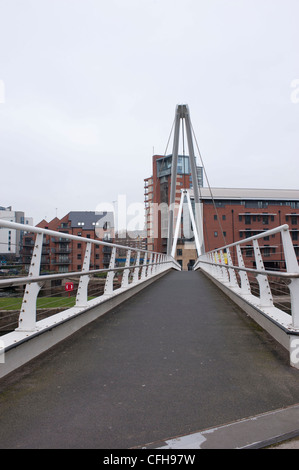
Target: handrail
(31,229)
(254,271)
(153,264)
(19,281)
(215,264)
(267,233)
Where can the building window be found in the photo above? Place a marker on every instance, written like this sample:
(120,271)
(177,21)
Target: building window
(179,252)
(79,245)
(249,252)
(266,251)
(247,220)
(215,234)
(224,217)
(215,217)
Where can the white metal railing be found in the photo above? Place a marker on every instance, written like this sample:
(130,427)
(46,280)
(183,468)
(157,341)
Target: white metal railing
(139,266)
(250,276)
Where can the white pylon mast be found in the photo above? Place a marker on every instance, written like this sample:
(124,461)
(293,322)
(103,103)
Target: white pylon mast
(182,113)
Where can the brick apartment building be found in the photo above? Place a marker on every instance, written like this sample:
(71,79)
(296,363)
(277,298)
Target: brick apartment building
(242,213)
(228,215)
(157,192)
(66,255)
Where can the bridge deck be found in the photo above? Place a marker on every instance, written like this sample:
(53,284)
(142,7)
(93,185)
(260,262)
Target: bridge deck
(176,358)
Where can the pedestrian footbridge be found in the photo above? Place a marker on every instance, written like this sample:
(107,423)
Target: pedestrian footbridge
(160,358)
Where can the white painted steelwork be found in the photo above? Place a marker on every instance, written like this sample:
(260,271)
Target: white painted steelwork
(198,245)
(233,279)
(182,114)
(134,276)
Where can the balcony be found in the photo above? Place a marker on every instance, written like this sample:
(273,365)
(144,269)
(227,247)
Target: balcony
(65,261)
(28,243)
(62,250)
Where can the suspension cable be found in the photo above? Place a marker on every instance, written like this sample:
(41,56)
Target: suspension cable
(208,183)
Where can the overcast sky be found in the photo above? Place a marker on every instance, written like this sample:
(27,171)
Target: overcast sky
(91,88)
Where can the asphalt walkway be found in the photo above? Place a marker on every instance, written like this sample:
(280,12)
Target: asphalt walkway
(175,359)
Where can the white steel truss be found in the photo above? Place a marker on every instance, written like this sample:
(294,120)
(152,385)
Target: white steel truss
(197,235)
(183,114)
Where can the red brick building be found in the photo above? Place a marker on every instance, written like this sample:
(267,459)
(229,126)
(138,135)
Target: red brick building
(157,196)
(66,255)
(228,214)
(236,214)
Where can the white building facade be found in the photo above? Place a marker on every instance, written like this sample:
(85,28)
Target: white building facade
(11,240)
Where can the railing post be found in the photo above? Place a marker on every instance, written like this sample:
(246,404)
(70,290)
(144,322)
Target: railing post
(169,261)
(207,267)
(266,299)
(126,272)
(27,318)
(136,269)
(159,265)
(223,269)
(154,270)
(149,269)
(110,275)
(245,284)
(82,292)
(212,259)
(232,275)
(143,272)
(219,268)
(292,267)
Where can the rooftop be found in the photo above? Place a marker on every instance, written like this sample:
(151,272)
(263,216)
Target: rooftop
(89,220)
(249,193)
